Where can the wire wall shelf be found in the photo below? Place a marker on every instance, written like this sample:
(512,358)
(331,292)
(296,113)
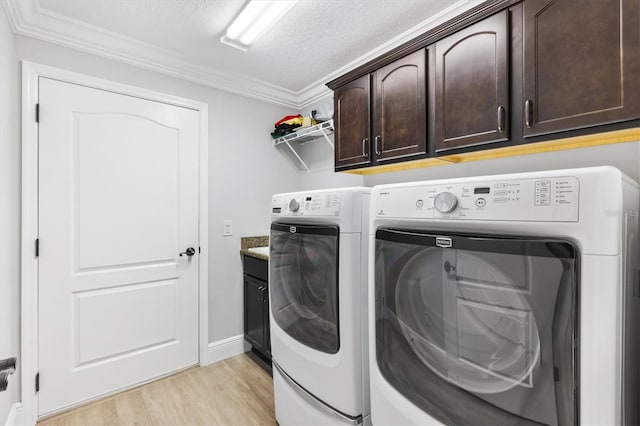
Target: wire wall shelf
(303,135)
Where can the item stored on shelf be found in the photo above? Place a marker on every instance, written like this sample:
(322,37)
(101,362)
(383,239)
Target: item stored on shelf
(286,125)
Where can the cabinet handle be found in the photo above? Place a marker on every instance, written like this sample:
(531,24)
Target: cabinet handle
(377,140)
(528,113)
(262,291)
(364,145)
(501,114)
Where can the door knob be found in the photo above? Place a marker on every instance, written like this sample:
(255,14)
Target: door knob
(8,365)
(189,252)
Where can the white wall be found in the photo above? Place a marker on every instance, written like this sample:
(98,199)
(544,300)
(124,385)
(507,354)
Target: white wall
(244,168)
(9,212)
(625,156)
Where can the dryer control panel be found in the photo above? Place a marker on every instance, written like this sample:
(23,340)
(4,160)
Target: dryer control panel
(312,204)
(552,199)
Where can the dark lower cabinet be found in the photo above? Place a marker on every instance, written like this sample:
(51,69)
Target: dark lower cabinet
(581,63)
(472,85)
(256,306)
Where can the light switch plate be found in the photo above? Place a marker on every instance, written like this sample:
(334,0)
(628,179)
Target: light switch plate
(228,228)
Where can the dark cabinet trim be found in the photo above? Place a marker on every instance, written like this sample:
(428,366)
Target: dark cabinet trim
(461,21)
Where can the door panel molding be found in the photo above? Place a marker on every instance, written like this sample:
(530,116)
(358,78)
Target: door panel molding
(31,72)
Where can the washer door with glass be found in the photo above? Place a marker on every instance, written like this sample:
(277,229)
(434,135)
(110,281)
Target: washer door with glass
(478,330)
(303,283)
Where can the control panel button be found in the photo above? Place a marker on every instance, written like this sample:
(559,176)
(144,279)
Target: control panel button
(294,205)
(481,202)
(419,204)
(445,202)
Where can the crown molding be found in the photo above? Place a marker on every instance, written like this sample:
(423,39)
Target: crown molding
(27,18)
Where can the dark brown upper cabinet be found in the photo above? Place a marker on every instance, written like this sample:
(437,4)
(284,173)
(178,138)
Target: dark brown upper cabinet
(581,64)
(382,116)
(472,85)
(504,73)
(352,123)
(400,109)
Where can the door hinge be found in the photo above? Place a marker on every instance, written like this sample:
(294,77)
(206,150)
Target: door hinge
(38,382)
(37,247)
(37,113)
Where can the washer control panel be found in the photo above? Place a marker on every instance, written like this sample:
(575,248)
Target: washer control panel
(549,199)
(313,204)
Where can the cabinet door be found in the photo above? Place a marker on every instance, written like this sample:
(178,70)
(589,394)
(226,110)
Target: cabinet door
(472,85)
(254,312)
(267,326)
(400,108)
(351,118)
(581,63)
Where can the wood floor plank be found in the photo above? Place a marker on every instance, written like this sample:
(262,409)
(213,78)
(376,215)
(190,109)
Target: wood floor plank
(231,392)
(132,410)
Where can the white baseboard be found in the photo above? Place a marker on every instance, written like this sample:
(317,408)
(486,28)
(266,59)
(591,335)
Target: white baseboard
(13,414)
(226,348)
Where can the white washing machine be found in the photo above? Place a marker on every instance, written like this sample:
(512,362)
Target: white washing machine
(318,306)
(509,299)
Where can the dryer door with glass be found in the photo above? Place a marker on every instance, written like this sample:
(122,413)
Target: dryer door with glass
(478,329)
(303,283)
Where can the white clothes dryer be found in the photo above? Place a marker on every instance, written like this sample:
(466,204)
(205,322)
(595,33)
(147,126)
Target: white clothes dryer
(318,307)
(509,299)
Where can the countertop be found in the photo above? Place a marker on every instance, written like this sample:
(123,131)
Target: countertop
(247,243)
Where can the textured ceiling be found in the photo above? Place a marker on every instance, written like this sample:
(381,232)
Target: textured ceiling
(316,37)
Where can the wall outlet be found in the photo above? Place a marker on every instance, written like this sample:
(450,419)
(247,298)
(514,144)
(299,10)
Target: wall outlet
(227,229)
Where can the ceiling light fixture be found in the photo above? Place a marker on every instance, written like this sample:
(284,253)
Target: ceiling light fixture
(254,20)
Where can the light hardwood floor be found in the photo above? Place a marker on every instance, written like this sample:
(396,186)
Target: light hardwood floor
(231,392)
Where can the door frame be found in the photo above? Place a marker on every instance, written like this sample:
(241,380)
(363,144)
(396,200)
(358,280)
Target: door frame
(31,72)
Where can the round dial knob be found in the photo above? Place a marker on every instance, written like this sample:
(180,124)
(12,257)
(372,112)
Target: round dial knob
(445,202)
(294,205)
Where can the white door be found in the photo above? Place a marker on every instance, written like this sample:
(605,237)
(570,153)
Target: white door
(118,190)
